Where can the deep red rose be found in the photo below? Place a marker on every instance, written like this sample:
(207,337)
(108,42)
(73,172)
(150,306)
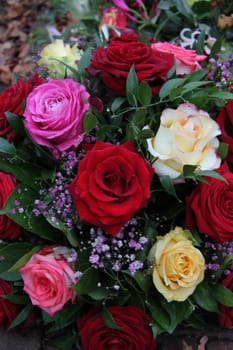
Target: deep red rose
(225,122)
(134,332)
(210,207)
(11,100)
(8,229)
(112,184)
(113,63)
(8,310)
(226,312)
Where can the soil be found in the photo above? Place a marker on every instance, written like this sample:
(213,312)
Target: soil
(17,20)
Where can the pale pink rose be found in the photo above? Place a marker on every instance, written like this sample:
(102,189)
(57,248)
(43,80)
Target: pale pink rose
(186,60)
(48,278)
(54,114)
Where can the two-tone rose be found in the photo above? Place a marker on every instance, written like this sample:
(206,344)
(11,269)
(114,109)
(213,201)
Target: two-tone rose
(48,278)
(186,135)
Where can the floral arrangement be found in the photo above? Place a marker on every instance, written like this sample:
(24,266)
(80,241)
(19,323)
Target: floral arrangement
(116,179)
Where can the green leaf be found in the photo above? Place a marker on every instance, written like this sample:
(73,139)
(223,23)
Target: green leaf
(211,173)
(16,122)
(20,171)
(12,252)
(132,82)
(59,224)
(168,185)
(10,276)
(144,93)
(143,280)
(22,261)
(89,122)
(22,316)
(108,319)
(178,311)
(223,150)
(169,86)
(196,75)
(117,103)
(145,134)
(36,224)
(99,294)
(216,48)
(204,297)
(101,133)
(85,60)
(64,341)
(193,85)
(200,43)
(184,8)
(139,117)
(17,299)
(225,95)
(223,295)
(189,170)
(88,281)
(158,314)
(7,147)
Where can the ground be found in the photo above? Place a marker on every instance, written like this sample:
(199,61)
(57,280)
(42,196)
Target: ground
(17,22)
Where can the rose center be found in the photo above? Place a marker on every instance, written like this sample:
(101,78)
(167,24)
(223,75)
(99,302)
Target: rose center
(115,183)
(53,103)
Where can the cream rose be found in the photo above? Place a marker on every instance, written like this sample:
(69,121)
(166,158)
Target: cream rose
(186,135)
(53,55)
(177,266)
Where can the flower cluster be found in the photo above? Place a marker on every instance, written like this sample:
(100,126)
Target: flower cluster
(116,181)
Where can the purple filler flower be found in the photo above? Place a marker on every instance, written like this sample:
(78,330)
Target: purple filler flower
(54,114)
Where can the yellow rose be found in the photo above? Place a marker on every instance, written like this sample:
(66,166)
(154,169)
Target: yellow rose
(186,135)
(177,266)
(57,52)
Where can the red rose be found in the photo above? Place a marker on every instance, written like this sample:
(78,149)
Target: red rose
(210,207)
(226,312)
(225,122)
(8,310)
(8,228)
(112,184)
(11,100)
(113,63)
(134,332)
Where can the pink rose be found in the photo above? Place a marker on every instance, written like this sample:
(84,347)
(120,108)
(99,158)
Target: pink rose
(186,60)
(48,277)
(54,114)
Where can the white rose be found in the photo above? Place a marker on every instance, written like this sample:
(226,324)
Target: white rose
(187,135)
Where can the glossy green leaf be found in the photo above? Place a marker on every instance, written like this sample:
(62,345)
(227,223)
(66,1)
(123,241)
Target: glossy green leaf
(144,93)
(223,295)
(88,281)
(17,123)
(89,122)
(204,297)
(22,261)
(85,60)
(23,213)
(108,319)
(7,147)
(22,316)
(167,87)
